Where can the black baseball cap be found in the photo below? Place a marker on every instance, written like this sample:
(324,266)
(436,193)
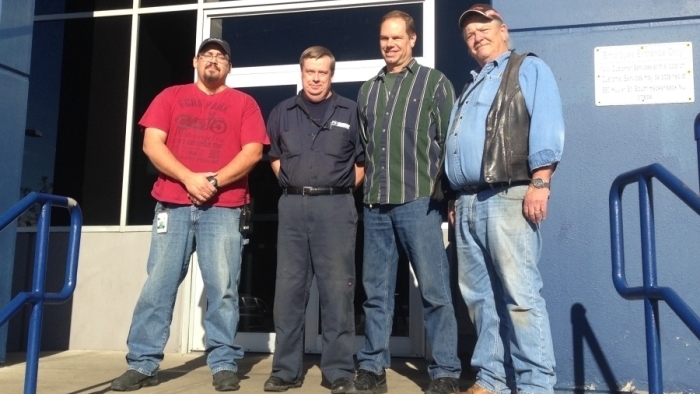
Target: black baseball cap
(212,40)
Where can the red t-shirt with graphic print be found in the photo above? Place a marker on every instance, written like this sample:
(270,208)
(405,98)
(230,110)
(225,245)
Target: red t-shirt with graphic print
(204,133)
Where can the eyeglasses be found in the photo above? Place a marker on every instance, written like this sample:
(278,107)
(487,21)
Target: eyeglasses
(219,58)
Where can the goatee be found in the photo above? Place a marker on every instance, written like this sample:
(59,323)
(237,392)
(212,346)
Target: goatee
(211,78)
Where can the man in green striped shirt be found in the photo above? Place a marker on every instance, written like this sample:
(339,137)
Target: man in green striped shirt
(404,112)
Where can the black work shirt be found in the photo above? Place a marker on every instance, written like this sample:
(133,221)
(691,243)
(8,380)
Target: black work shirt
(310,155)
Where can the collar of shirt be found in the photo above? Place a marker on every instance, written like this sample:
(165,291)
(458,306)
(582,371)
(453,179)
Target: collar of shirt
(490,66)
(412,67)
(297,101)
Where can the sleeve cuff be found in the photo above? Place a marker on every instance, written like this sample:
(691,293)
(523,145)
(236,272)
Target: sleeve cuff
(543,158)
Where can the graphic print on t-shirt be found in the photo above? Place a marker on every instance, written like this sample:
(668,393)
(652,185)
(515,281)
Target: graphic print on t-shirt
(199,130)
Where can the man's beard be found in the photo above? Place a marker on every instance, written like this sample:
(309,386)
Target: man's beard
(211,77)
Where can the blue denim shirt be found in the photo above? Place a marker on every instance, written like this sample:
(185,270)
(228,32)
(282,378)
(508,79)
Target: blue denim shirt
(464,147)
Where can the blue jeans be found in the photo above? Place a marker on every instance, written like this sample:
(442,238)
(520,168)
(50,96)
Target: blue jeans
(213,232)
(498,250)
(416,225)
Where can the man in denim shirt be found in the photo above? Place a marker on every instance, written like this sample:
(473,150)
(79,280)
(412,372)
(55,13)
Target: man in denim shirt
(505,139)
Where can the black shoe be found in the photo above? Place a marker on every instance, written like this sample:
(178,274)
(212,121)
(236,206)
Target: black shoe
(133,380)
(367,382)
(443,386)
(225,380)
(273,383)
(342,386)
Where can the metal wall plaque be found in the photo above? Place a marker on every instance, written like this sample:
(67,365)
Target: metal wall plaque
(644,74)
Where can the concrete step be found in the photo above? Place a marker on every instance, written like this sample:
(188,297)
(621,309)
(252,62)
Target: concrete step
(90,372)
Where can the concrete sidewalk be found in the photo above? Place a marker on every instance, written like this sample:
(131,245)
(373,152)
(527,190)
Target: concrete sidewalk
(90,372)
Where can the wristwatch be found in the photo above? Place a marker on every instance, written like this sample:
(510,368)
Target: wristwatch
(213,181)
(538,183)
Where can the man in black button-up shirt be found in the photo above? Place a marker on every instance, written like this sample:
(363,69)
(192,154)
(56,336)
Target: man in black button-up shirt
(318,158)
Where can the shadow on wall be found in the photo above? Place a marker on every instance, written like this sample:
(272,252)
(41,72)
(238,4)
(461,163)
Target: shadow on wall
(582,331)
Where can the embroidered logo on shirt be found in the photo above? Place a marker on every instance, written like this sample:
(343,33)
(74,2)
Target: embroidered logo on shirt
(340,124)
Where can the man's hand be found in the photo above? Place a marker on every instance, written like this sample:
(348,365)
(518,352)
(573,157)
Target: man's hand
(199,189)
(535,204)
(451,213)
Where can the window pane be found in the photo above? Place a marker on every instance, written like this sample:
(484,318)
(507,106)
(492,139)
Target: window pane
(44,7)
(76,114)
(166,46)
(351,34)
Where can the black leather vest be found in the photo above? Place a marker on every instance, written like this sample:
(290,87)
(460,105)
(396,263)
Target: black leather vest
(508,129)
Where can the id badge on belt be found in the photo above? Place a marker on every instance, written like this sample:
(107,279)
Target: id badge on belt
(162,222)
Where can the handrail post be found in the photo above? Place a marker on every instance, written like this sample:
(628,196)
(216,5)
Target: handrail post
(651,304)
(37,296)
(650,292)
(38,289)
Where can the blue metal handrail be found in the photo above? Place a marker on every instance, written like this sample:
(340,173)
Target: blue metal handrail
(37,296)
(650,292)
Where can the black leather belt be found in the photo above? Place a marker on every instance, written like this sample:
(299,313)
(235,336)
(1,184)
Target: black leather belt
(474,189)
(316,191)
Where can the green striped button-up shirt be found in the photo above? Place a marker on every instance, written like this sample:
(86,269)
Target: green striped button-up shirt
(404,133)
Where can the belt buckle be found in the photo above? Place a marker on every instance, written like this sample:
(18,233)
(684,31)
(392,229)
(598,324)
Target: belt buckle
(306,190)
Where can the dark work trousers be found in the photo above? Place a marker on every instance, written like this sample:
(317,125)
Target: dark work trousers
(316,236)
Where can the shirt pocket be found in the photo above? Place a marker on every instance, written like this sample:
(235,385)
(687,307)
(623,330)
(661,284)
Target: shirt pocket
(291,143)
(337,143)
(487,93)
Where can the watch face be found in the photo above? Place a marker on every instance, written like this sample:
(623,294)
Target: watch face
(539,183)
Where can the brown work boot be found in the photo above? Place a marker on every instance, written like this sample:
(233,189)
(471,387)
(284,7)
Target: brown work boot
(475,389)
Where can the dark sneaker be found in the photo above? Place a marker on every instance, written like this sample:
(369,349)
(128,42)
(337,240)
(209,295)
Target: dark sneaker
(133,380)
(273,383)
(367,382)
(342,386)
(443,386)
(225,380)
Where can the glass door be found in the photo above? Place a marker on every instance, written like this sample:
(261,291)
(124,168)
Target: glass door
(266,42)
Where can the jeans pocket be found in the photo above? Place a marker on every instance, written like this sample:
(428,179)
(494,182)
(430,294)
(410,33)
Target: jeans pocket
(513,193)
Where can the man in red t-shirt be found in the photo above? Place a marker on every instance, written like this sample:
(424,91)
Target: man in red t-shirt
(204,138)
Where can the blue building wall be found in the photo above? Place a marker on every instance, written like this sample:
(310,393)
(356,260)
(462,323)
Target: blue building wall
(599,337)
(16,19)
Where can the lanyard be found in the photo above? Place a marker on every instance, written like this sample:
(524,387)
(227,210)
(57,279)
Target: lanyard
(321,126)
